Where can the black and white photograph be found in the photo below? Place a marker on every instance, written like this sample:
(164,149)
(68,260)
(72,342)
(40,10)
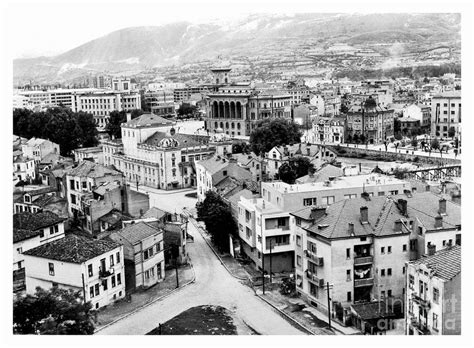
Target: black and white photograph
(245,168)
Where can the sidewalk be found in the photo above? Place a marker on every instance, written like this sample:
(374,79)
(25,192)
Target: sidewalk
(304,314)
(231,265)
(142,298)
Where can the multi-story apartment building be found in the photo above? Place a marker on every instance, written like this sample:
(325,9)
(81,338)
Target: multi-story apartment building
(211,171)
(182,94)
(277,156)
(433,300)
(143,248)
(160,102)
(422,113)
(327,130)
(95,154)
(24,169)
(82,180)
(446,114)
(38,149)
(374,123)
(266,238)
(95,267)
(360,246)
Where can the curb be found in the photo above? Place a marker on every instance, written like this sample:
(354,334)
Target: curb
(215,252)
(287,317)
(148,304)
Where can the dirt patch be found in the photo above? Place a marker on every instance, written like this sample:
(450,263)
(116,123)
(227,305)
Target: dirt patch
(201,320)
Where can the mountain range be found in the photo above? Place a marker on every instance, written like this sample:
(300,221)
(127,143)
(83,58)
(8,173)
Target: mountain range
(256,38)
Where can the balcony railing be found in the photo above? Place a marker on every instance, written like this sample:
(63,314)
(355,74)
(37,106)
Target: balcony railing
(363,282)
(421,301)
(314,279)
(420,326)
(363,260)
(106,273)
(317,260)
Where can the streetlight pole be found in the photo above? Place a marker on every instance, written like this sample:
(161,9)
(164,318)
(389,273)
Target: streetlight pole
(263,266)
(329,305)
(271,244)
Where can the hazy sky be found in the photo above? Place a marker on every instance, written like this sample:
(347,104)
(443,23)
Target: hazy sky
(50,28)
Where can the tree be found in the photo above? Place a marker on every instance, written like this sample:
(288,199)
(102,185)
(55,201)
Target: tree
(370,103)
(186,109)
(116,118)
(397,125)
(217,216)
(362,139)
(355,138)
(295,168)
(241,147)
(414,143)
(344,109)
(53,312)
(273,132)
(70,130)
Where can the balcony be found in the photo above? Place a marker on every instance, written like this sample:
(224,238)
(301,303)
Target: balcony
(421,301)
(420,326)
(314,279)
(363,282)
(363,260)
(318,261)
(106,274)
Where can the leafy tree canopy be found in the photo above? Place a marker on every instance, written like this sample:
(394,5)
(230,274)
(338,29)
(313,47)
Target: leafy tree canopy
(116,119)
(217,216)
(52,312)
(61,125)
(295,168)
(274,132)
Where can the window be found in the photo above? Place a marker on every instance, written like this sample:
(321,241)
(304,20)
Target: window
(97,289)
(382,272)
(89,270)
(158,247)
(328,200)
(348,275)
(73,199)
(158,270)
(118,257)
(404,248)
(348,253)
(51,268)
(349,296)
(147,275)
(298,260)
(119,278)
(389,249)
(411,281)
(382,250)
(381,193)
(145,254)
(104,284)
(91,292)
(389,271)
(111,260)
(382,293)
(20,250)
(435,321)
(113,281)
(298,221)
(435,295)
(298,241)
(56,228)
(389,293)
(309,201)
(84,185)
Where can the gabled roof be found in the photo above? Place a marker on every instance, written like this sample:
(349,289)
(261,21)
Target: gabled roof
(35,141)
(214,164)
(35,221)
(148,120)
(73,249)
(136,232)
(372,310)
(21,234)
(176,140)
(446,263)
(154,212)
(322,174)
(92,170)
(107,186)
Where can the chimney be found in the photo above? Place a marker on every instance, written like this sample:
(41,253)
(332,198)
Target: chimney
(308,151)
(398,226)
(438,221)
(129,116)
(431,249)
(402,206)
(442,206)
(364,215)
(351,229)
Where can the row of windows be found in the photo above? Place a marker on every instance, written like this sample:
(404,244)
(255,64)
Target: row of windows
(148,253)
(115,280)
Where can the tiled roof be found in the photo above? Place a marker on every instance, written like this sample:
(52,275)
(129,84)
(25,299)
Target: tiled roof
(154,212)
(114,216)
(425,206)
(21,234)
(73,249)
(22,159)
(35,221)
(382,214)
(445,263)
(148,120)
(183,140)
(92,170)
(136,232)
(107,186)
(214,164)
(372,310)
(41,191)
(35,141)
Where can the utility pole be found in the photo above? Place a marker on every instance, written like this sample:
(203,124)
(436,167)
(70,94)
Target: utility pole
(328,287)
(271,244)
(176,253)
(263,267)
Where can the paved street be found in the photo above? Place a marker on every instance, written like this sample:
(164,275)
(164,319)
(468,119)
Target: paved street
(213,286)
